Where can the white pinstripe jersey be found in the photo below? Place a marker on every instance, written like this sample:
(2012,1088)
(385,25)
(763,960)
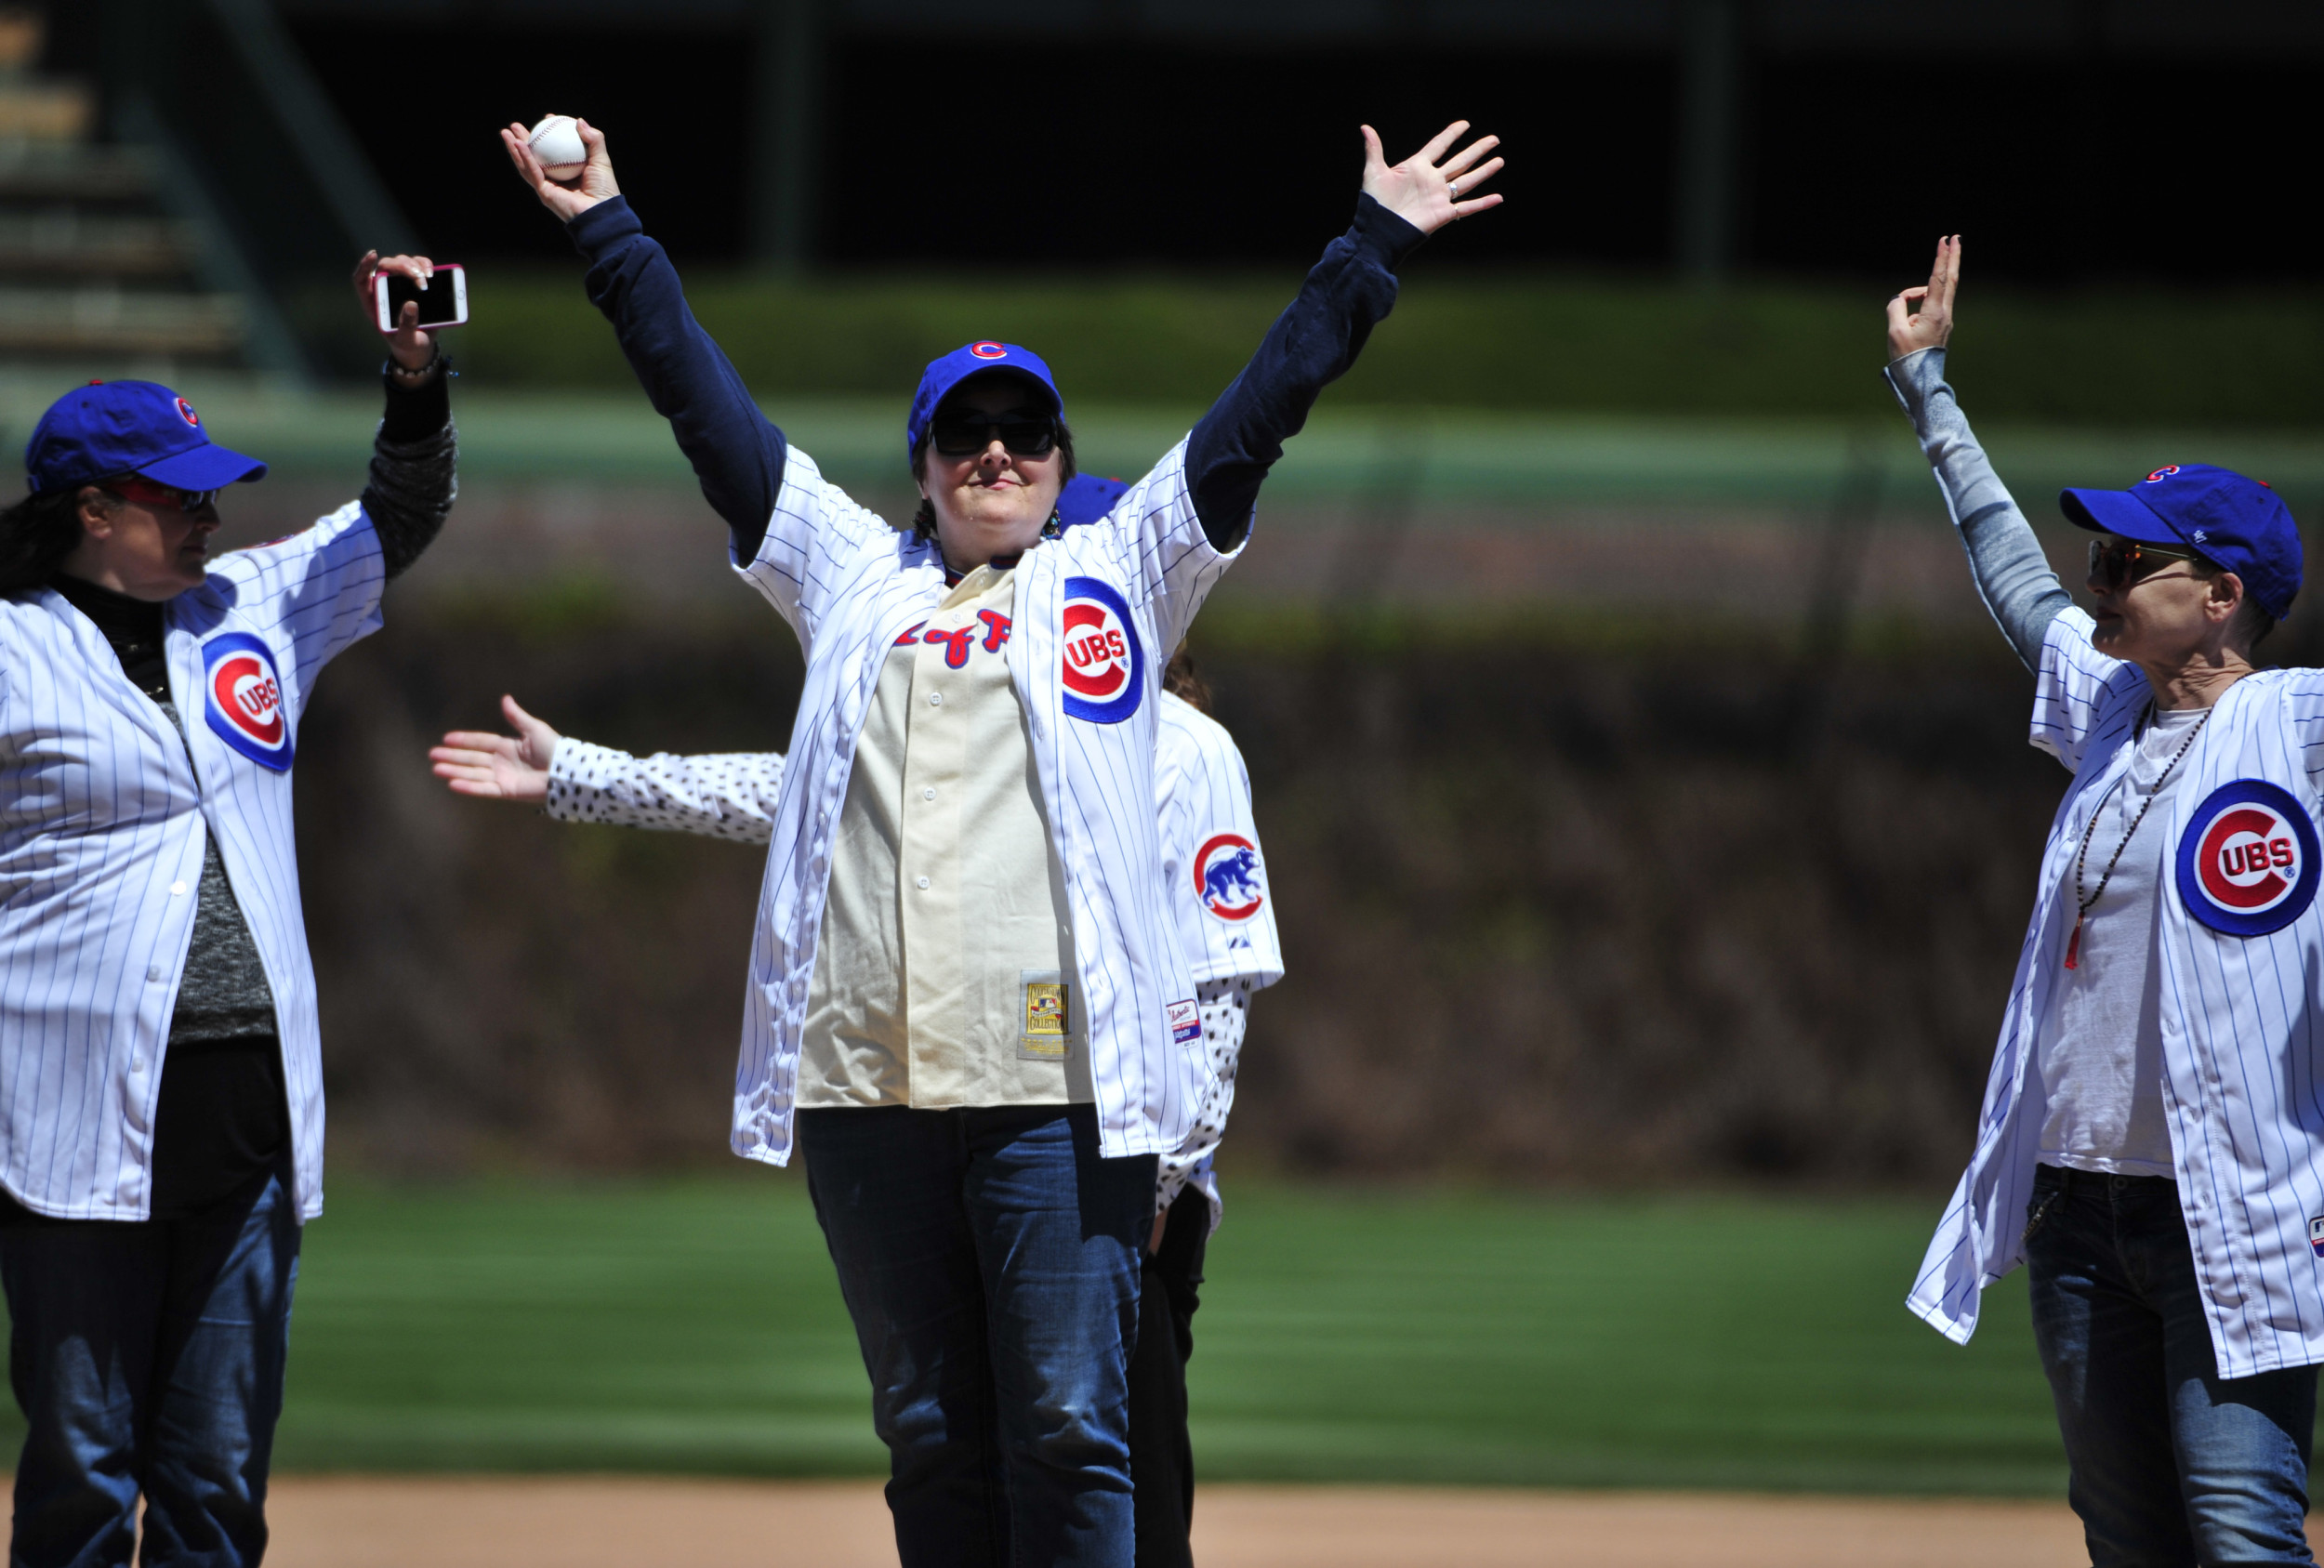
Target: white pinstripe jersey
(2242,1082)
(1096,611)
(102,813)
(1212,868)
(1210,852)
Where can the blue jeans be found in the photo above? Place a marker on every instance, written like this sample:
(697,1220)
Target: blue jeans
(148,1357)
(990,1260)
(2171,1464)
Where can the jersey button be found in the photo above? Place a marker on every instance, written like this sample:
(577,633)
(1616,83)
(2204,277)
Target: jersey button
(935,699)
(928,795)
(136,1064)
(176,889)
(923,884)
(156,974)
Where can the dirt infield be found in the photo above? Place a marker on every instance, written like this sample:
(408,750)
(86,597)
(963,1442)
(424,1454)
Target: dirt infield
(588,1522)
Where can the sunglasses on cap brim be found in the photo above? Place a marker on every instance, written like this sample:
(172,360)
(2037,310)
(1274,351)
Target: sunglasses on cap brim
(152,493)
(2115,562)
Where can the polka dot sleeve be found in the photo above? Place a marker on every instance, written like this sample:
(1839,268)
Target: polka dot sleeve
(724,794)
(1225,1013)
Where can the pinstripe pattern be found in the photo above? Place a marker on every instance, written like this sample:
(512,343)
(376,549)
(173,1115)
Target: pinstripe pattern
(2240,1027)
(102,813)
(1205,792)
(849,584)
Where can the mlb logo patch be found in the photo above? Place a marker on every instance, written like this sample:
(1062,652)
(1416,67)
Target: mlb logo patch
(1186,1021)
(2316,1235)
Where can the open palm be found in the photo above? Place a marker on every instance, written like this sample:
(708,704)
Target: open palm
(498,766)
(1425,193)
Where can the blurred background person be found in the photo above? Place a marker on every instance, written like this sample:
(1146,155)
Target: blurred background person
(2149,1148)
(161,1079)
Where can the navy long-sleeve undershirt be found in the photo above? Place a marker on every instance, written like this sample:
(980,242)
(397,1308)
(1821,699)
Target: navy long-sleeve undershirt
(738,454)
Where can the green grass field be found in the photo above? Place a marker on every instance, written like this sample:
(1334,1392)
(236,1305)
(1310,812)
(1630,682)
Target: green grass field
(1711,1341)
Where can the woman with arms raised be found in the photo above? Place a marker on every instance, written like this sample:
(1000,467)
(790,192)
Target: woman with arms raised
(2150,1146)
(161,1071)
(967,995)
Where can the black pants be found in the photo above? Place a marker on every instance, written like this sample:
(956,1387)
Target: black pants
(1161,1457)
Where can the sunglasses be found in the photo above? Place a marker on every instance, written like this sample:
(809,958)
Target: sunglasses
(152,493)
(965,435)
(2116,564)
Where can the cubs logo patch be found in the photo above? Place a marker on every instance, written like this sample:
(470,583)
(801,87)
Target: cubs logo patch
(2316,1235)
(1227,877)
(1105,668)
(1186,1021)
(186,412)
(2163,473)
(2247,863)
(988,350)
(243,699)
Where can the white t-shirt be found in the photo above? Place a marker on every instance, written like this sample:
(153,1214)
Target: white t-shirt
(2100,1055)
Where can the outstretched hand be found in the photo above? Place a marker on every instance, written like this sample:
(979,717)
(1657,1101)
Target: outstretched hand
(568,201)
(1910,331)
(407,343)
(1425,193)
(499,767)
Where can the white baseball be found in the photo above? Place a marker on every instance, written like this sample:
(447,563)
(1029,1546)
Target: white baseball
(556,143)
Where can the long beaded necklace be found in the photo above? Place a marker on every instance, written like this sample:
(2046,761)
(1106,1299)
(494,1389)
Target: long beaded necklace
(2081,910)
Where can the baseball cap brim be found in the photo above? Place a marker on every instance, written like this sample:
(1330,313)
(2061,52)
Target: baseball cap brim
(1050,399)
(2119,513)
(208,466)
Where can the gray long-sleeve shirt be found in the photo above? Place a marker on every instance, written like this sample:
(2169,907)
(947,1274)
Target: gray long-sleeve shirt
(2012,574)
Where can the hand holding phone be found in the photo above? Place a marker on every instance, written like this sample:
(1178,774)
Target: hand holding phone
(441,298)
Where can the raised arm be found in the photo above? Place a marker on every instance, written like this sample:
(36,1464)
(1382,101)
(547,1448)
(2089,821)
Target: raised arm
(2012,574)
(1314,341)
(738,455)
(414,452)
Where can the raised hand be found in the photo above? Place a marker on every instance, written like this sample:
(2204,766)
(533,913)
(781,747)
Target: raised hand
(498,766)
(407,345)
(1910,331)
(1425,193)
(568,201)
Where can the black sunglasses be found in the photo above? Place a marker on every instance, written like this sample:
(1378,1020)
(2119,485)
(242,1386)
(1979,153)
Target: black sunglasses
(965,435)
(2116,563)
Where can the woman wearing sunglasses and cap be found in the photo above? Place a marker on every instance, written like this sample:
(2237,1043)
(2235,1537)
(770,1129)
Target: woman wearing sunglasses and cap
(2152,1142)
(967,1004)
(161,1078)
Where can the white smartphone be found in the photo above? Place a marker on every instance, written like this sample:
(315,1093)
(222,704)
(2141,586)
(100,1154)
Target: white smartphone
(443,303)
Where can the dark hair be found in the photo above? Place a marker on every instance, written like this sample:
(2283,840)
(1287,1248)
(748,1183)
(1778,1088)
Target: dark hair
(2252,622)
(924,520)
(37,533)
(1183,681)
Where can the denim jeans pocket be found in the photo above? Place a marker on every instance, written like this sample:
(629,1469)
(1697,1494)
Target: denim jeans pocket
(2039,1208)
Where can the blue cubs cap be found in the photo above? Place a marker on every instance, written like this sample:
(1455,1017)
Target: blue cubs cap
(973,359)
(112,427)
(2236,523)
(1086,498)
